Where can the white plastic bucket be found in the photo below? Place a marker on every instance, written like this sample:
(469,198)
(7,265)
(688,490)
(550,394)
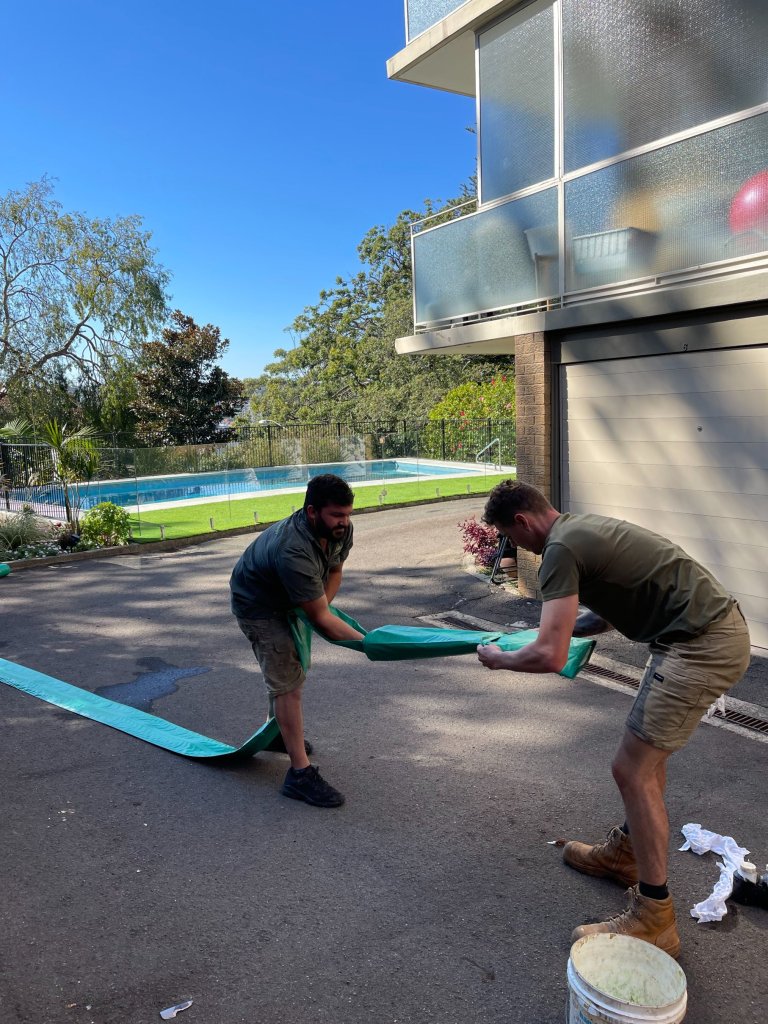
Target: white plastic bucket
(614,979)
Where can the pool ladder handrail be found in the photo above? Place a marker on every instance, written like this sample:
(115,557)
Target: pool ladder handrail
(496,440)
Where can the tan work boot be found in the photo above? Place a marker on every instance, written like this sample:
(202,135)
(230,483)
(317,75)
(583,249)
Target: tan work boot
(650,920)
(614,859)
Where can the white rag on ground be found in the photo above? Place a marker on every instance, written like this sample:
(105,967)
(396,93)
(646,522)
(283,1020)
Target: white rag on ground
(700,840)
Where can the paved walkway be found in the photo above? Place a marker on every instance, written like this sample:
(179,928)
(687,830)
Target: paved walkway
(134,878)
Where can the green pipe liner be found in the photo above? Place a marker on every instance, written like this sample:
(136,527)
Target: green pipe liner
(401,643)
(388,643)
(127,719)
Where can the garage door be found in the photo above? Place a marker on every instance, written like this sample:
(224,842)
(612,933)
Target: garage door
(679,444)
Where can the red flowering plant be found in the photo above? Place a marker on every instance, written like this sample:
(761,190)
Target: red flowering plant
(480,541)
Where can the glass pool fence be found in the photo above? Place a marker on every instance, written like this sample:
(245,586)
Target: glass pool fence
(256,462)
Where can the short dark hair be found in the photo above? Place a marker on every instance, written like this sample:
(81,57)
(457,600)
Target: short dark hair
(510,497)
(328,489)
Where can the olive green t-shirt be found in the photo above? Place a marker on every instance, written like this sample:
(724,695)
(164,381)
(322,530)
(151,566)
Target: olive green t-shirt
(284,567)
(646,586)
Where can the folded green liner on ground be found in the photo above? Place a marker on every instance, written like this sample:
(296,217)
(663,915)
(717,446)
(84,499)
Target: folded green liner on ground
(387,643)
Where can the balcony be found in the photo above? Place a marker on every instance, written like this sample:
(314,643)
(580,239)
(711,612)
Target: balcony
(501,258)
(423,14)
(693,210)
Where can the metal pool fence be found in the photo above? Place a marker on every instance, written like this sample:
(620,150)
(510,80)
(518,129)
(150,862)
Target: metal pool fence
(30,474)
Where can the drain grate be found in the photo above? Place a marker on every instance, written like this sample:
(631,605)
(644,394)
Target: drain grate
(460,620)
(751,722)
(607,673)
(464,622)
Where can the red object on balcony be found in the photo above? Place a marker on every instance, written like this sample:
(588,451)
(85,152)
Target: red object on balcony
(749,208)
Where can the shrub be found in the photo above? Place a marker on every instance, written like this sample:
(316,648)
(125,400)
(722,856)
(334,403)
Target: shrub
(41,549)
(23,535)
(105,525)
(479,540)
(489,400)
(21,529)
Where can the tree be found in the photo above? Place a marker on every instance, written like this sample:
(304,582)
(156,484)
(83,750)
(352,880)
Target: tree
(344,364)
(49,396)
(182,396)
(74,291)
(109,406)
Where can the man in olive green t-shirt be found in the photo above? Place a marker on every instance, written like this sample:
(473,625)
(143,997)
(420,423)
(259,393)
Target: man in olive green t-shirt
(649,589)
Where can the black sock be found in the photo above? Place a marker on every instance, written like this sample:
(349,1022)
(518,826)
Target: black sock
(654,892)
(624,828)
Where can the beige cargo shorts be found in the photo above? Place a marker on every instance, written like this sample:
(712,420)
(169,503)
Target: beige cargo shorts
(681,680)
(275,652)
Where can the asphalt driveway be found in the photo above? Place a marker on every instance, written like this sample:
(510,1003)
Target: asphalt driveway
(135,878)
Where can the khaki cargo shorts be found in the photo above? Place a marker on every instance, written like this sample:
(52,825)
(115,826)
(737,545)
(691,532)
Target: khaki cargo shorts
(275,652)
(681,680)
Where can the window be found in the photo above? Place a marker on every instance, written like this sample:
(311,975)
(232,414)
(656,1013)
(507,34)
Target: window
(517,102)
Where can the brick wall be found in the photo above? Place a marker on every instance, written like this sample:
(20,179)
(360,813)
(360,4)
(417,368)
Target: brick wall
(534,434)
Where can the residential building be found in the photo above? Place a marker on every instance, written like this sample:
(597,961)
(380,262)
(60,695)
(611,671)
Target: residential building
(618,250)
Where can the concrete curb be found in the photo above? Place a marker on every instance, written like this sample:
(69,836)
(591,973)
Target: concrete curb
(178,543)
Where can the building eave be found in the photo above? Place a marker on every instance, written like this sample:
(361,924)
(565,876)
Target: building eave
(443,56)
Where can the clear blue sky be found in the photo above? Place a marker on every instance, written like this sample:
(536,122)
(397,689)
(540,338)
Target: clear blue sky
(257,141)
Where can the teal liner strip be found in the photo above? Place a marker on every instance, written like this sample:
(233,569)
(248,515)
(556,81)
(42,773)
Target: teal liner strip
(388,643)
(136,723)
(404,643)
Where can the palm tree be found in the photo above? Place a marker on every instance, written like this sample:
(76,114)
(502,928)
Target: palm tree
(74,457)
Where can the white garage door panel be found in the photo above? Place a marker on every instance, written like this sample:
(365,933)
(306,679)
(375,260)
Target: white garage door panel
(678,428)
(683,527)
(677,453)
(736,553)
(667,499)
(632,449)
(724,480)
(757,616)
(700,380)
(739,581)
(710,357)
(747,557)
(689,405)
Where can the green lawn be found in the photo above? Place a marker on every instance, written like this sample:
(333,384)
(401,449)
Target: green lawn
(193,520)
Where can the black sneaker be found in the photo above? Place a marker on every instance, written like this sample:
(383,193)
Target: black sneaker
(277,746)
(308,785)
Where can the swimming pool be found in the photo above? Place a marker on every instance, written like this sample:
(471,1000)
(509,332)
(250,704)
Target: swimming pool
(196,487)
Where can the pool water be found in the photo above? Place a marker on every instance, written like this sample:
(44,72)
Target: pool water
(190,486)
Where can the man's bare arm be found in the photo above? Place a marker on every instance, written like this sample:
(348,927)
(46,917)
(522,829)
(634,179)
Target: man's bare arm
(549,651)
(321,616)
(333,583)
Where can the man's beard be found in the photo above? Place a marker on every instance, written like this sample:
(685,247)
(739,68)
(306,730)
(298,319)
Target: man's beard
(328,532)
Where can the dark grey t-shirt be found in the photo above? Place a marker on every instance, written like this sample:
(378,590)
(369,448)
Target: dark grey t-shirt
(285,566)
(643,584)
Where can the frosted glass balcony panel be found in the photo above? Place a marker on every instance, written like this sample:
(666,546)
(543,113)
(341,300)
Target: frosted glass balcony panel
(635,73)
(505,256)
(422,14)
(696,202)
(517,103)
